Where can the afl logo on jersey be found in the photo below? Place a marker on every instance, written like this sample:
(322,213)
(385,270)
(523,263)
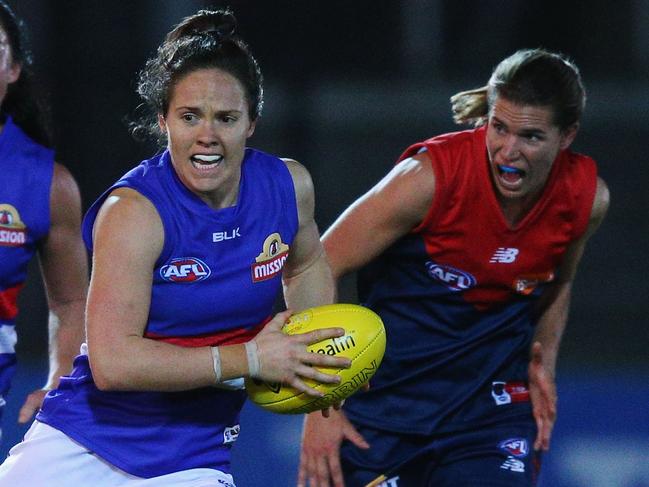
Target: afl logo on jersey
(517,447)
(185,269)
(13,232)
(271,260)
(454,279)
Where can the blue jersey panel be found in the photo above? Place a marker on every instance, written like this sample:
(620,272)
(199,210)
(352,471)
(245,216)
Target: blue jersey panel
(442,353)
(26,168)
(217,277)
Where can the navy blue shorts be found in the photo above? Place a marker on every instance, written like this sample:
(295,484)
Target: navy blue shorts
(498,455)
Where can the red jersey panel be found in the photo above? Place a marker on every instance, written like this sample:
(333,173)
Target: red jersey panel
(465,229)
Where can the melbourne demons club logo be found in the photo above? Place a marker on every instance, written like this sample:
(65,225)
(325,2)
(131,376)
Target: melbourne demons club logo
(13,232)
(185,269)
(271,260)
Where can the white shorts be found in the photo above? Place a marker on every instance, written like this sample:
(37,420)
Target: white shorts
(49,458)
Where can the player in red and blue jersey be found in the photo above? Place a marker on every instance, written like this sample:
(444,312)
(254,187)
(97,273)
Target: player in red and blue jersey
(469,247)
(190,251)
(40,213)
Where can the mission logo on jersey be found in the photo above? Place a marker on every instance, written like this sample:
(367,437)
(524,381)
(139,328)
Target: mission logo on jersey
(185,269)
(271,260)
(13,232)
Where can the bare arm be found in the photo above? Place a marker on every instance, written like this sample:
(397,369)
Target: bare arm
(551,325)
(64,267)
(64,264)
(388,211)
(128,238)
(307,277)
(552,322)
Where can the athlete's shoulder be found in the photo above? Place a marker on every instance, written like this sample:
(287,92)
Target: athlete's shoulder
(448,143)
(578,171)
(458,137)
(24,147)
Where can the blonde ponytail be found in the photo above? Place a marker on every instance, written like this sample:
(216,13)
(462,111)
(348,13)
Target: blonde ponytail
(470,107)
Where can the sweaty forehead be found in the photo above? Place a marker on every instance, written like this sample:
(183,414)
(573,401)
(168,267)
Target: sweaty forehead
(523,116)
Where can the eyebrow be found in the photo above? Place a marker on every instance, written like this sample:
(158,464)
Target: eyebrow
(525,131)
(537,132)
(198,109)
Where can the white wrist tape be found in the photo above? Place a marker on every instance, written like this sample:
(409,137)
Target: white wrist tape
(216,363)
(254,367)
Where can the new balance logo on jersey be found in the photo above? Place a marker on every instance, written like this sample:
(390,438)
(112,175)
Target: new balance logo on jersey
(504,255)
(515,448)
(514,465)
(228,235)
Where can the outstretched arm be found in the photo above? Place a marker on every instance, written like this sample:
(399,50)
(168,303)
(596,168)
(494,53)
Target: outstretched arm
(388,211)
(64,266)
(551,325)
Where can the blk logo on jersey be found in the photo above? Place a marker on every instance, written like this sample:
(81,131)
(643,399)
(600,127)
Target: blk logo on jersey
(185,269)
(227,235)
(271,261)
(452,278)
(504,255)
(13,232)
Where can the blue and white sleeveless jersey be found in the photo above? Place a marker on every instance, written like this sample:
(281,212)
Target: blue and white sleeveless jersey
(215,282)
(26,168)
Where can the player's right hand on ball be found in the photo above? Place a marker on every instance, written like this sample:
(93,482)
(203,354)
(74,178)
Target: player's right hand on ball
(284,358)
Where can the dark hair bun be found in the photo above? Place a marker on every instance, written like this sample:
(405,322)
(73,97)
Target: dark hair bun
(217,23)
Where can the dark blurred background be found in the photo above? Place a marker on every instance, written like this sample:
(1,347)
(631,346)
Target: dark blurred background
(350,84)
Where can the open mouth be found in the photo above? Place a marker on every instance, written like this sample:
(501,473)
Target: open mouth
(510,175)
(204,161)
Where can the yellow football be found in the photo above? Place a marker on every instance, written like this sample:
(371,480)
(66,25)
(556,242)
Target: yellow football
(363,343)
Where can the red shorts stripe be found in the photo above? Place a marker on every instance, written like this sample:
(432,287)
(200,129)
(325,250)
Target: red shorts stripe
(518,391)
(230,337)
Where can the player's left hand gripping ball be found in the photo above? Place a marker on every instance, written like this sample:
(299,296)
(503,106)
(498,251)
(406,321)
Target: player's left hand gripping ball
(363,343)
